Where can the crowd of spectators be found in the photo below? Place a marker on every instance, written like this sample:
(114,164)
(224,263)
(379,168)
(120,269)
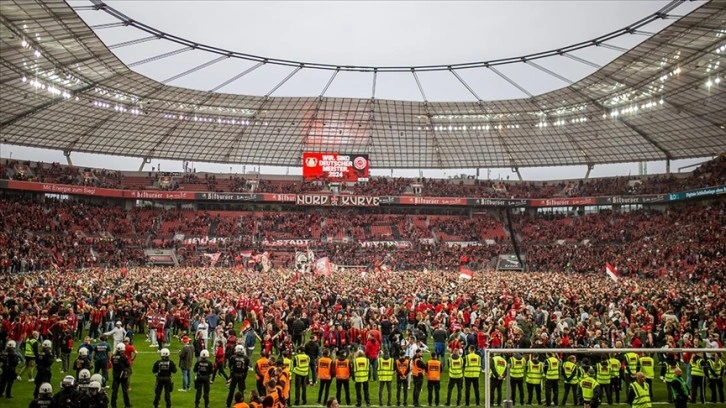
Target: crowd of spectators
(711,173)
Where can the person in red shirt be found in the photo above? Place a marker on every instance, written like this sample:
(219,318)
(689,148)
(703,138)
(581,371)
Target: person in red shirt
(131,353)
(372,349)
(219,358)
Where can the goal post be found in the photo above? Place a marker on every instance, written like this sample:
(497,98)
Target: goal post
(507,395)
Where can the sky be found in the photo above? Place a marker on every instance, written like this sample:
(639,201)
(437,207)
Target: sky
(382,33)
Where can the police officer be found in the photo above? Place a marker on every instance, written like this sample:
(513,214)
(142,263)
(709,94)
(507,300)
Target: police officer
(44,361)
(83,381)
(301,370)
(67,397)
(45,397)
(163,369)
(433,377)
(239,364)
(361,375)
(95,398)
(82,362)
(472,371)
(121,366)
(202,370)
(8,362)
(456,374)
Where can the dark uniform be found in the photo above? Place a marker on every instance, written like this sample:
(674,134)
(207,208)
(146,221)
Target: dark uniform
(121,368)
(163,369)
(202,370)
(67,398)
(8,362)
(44,361)
(239,364)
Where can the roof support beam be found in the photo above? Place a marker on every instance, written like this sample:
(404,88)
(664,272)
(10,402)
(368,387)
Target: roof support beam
(468,88)
(420,88)
(287,78)
(581,60)
(194,69)
(158,57)
(511,82)
(132,42)
(694,114)
(550,72)
(373,90)
(236,77)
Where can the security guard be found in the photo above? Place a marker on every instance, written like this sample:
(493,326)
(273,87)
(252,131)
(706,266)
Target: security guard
(571,373)
(324,375)
(498,374)
(517,364)
(163,370)
(668,374)
(616,373)
(403,368)
(456,374)
(262,365)
(361,374)
(301,370)
(590,389)
(202,370)
(552,379)
(698,386)
(385,376)
(638,393)
(433,377)
(472,370)
(715,377)
(418,371)
(647,366)
(632,365)
(603,377)
(534,379)
(342,376)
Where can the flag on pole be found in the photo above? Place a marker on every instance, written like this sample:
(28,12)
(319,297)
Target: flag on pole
(465,272)
(610,271)
(323,267)
(213,257)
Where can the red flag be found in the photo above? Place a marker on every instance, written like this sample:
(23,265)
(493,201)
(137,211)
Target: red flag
(610,271)
(465,273)
(322,267)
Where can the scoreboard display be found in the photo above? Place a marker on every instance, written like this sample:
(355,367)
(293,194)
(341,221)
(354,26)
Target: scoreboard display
(335,167)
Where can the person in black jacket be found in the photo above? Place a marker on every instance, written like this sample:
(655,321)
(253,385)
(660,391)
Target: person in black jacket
(202,371)
(8,362)
(312,349)
(44,361)
(163,369)
(239,364)
(121,367)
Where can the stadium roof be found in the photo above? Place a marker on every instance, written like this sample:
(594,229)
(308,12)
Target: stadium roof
(62,88)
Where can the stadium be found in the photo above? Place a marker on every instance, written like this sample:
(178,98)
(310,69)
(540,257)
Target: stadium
(325,239)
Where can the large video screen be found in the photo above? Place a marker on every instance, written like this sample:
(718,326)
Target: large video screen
(335,166)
